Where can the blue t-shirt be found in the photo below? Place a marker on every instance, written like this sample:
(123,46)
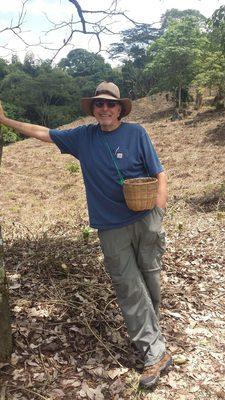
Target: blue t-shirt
(131,148)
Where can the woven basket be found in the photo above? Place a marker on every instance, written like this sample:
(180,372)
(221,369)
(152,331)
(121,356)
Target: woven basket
(140,193)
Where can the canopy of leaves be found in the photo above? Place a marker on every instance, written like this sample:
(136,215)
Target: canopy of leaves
(40,93)
(134,42)
(186,48)
(176,15)
(136,83)
(3,68)
(175,58)
(212,73)
(217,25)
(80,62)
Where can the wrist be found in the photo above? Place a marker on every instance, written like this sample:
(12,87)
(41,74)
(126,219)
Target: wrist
(161,201)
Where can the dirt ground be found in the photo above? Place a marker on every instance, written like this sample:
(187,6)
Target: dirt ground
(69,338)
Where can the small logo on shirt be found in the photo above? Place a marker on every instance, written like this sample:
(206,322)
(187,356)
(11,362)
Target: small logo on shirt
(118,153)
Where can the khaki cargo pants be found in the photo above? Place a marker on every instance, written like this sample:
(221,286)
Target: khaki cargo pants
(133,260)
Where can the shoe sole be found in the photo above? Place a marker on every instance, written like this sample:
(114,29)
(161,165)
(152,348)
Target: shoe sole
(150,384)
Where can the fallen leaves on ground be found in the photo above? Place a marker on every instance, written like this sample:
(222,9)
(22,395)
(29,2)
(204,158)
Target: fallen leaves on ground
(70,341)
(69,337)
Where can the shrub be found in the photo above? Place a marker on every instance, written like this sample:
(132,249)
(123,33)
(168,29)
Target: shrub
(9,135)
(86,232)
(73,167)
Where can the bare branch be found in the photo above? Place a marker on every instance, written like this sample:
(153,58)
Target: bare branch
(19,21)
(95,29)
(102,23)
(80,13)
(16,28)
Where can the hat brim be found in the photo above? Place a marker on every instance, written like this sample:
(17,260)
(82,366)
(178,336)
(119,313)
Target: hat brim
(86,104)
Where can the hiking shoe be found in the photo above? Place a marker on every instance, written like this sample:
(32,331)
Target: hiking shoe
(151,373)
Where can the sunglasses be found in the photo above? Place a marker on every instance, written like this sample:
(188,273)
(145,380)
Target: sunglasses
(109,103)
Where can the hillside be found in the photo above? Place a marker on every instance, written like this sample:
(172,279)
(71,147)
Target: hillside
(70,341)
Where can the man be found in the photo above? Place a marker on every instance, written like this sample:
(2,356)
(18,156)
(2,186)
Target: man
(132,242)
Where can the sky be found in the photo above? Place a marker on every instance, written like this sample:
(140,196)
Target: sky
(40,14)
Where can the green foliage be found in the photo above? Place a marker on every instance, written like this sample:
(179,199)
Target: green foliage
(217,29)
(80,62)
(13,111)
(14,91)
(174,15)
(73,167)
(132,51)
(87,70)
(212,74)
(9,135)
(30,65)
(54,99)
(3,68)
(51,98)
(186,48)
(37,92)
(175,58)
(135,82)
(134,42)
(86,232)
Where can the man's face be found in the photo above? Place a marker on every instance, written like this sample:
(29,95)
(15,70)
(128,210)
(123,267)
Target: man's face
(107,113)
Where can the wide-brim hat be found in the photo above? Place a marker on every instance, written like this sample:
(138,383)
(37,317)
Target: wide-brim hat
(107,90)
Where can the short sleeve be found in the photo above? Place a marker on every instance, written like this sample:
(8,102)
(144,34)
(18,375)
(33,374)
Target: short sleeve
(68,141)
(149,156)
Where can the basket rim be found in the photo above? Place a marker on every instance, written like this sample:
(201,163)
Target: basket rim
(140,181)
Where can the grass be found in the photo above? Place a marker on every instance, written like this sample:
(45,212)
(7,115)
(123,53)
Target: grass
(86,232)
(73,167)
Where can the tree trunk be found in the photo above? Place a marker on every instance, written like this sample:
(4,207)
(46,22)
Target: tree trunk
(5,325)
(198,100)
(179,97)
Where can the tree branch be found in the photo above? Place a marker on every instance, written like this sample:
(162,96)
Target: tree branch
(19,22)
(95,29)
(16,28)
(80,13)
(100,24)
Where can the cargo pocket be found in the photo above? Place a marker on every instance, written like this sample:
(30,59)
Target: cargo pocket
(160,211)
(161,243)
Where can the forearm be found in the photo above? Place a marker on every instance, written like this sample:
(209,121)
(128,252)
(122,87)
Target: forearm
(162,194)
(35,131)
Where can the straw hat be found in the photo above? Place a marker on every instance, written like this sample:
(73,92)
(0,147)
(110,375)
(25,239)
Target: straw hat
(106,90)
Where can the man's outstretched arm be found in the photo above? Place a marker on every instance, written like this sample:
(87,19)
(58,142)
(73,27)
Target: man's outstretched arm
(31,130)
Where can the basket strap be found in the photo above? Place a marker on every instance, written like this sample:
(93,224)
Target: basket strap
(121,178)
